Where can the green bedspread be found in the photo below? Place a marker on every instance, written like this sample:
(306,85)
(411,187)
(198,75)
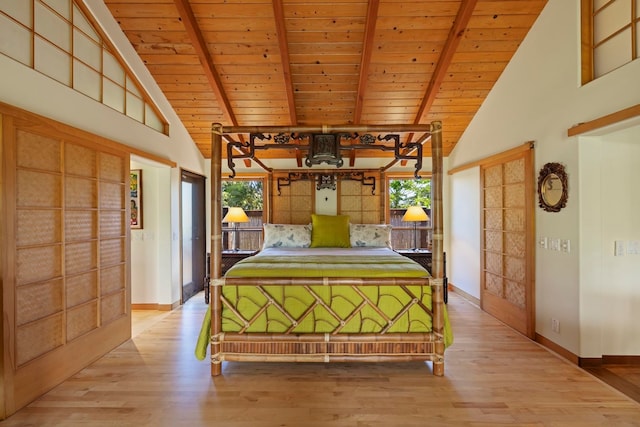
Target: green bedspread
(319,266)
(325,309)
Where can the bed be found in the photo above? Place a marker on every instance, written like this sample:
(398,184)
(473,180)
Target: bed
(327,303)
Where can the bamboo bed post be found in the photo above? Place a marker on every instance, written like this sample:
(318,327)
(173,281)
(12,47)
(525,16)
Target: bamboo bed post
(216,246)
(437,250)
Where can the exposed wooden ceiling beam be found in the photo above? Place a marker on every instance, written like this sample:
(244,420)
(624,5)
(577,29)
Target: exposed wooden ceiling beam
(284,58)
(281,30)
(365,61)
(200,46)
(453,40)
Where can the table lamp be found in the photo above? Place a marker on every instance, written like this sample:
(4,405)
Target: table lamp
(415,214)
(236,216)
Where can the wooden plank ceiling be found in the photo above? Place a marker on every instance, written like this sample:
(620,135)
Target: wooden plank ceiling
(296,62)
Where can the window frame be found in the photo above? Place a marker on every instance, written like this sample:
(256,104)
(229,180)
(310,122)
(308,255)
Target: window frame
(265,209)
(588,47)
(387,204)
(131,89)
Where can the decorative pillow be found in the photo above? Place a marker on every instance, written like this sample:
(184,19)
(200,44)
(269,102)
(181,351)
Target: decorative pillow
(329,231)
(370,235)
(286,235)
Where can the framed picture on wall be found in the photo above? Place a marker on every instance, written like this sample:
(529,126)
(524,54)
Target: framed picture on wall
(135,192)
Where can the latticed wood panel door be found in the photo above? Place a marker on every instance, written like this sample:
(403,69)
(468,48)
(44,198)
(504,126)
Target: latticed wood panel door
(70,242)
(66,283)
(507,242)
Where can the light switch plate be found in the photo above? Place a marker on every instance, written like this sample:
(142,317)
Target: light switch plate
(542,242)
(619,248)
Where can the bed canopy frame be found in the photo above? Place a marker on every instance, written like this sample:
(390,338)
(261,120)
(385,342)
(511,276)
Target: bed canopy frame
(325,144)
(322,148)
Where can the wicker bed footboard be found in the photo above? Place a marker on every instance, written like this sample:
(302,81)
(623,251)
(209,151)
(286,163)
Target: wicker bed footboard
(385,345)
(327,348)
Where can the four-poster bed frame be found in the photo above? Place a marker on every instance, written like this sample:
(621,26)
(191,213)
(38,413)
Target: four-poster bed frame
(328,347)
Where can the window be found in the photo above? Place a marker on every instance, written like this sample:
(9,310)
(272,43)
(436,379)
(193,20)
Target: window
(59,40)
(405,191)
(246,194)
(610,35)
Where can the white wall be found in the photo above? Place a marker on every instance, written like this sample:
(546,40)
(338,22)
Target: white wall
(151,247)
(464,267)
(144,262)
(620,169)
(610,167)
(539,98)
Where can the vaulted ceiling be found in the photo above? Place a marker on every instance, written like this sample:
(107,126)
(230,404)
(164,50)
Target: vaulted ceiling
(297,62)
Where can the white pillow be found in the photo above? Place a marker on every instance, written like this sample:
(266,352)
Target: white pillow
(370,235)
(287,235)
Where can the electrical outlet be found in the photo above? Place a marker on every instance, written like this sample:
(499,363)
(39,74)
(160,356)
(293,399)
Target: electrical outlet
(555,325)
(555,244)
(619,251)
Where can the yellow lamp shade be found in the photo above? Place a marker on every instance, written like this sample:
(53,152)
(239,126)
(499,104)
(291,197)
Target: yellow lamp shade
(235,215)
(415,213)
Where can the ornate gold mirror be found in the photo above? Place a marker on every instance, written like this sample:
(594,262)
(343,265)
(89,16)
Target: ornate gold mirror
(553,187)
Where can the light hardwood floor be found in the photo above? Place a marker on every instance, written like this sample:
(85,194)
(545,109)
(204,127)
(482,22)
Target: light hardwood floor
(493,376)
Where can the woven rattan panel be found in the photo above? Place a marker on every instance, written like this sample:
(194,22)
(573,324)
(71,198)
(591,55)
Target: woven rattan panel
(357,201)
(515,232)
(112,307)
(112,170)
(504,233)
(504,239)
(80,257)
(294,204)
(82,319)
(295,349)
(40,299)
(37,227)
(82,288)
(111,279)
(38,152)
(37,338)
(70,225)
(493,230)
(80,161)
(81,193)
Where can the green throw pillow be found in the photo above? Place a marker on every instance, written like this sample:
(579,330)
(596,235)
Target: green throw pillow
(328,231)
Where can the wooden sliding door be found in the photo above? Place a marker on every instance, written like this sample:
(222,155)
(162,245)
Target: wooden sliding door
(65,281)
(507,240)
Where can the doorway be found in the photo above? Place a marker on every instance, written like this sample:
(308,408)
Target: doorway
(193,233)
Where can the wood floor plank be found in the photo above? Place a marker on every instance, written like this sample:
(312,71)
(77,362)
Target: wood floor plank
(622,377)
(493,376)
